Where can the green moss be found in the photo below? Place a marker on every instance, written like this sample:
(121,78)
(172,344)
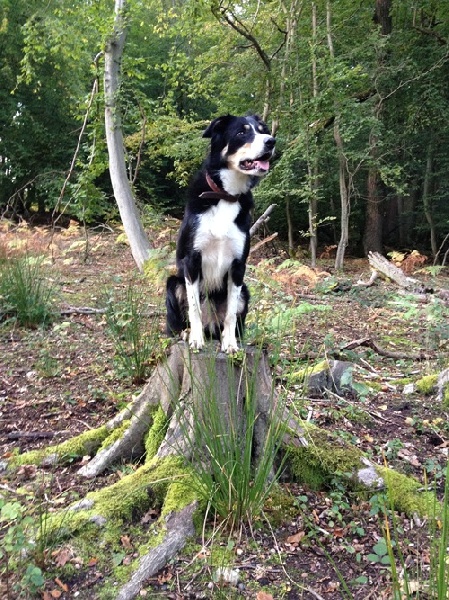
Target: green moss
(305,373)
(125,499)
(179,494)
(279,506)
(375,386)
(402,381)
(84,444)
(405,496)
(323,459)
(156,433)
(115,435)
(130,494)
(156,266)
(426,385)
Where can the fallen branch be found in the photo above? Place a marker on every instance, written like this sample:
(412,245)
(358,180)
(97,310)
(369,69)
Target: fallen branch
(262,242)
(82,310)
(262,219)
(33,435)
(370,343)
(371,281)
(379,264)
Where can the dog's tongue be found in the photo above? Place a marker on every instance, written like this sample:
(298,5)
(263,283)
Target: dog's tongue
(263,165)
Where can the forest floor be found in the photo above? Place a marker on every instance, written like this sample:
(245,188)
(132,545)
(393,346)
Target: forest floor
(59,381)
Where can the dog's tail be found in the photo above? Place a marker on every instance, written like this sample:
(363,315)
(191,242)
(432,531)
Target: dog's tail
(175,298)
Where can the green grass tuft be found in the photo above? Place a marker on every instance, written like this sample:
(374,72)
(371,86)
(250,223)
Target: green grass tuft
(25,293)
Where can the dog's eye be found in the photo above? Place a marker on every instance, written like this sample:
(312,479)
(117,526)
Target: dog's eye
(240,133)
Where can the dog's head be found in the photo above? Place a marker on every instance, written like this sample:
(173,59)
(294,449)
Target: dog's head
(241,144)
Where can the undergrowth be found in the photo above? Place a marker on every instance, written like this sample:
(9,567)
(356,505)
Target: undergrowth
(26,293)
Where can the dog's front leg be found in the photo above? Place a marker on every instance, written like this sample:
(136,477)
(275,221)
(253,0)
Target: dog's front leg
(192,279)
(235,282)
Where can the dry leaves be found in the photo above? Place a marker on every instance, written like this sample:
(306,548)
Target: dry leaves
(295,538)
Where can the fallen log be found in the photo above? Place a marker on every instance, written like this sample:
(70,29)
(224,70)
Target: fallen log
(380,265)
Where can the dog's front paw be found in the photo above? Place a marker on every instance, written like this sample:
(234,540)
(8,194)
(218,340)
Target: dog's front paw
(196,342)
(229,346)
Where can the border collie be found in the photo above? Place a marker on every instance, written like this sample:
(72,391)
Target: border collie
(213,244)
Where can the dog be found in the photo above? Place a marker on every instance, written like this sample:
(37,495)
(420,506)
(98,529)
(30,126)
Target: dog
(208,291)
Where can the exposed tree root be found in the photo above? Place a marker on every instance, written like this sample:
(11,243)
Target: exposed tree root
(179,527)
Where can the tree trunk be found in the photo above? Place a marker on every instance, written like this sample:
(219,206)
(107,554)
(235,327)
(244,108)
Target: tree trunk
(426,198)
(138,240)
(345,200)
(313,161)
(291,243)
(372,238)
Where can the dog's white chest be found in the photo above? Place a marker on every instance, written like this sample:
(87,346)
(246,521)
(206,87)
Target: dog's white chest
(219,240)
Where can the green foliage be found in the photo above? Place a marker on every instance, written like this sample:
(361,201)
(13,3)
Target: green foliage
(408,584)
(379,553)
(25,293)
(17,528)
(134,329)
(187,63)
(434,317)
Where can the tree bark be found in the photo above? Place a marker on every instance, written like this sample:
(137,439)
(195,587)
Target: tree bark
(313,161)
(372,238)
(345,200)
(138,240)
(426,198)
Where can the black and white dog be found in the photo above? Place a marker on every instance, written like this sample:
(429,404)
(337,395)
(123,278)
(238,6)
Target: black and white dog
(213,243)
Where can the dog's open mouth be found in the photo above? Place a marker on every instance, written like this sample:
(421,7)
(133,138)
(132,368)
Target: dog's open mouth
(261,164)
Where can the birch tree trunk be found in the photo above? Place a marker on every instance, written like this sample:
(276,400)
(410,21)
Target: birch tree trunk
(345,200)
(426,197)
(313,162)
(138,240)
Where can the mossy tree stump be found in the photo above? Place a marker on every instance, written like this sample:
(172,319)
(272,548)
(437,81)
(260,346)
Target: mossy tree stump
(157,429)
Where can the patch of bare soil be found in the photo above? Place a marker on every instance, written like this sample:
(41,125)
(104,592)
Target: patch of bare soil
(310,544)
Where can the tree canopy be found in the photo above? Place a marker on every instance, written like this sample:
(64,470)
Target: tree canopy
(356,94)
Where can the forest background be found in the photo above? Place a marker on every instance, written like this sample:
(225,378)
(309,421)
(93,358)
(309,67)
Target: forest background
(356,93)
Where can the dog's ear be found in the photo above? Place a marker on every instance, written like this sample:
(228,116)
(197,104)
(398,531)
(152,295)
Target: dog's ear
(217,126)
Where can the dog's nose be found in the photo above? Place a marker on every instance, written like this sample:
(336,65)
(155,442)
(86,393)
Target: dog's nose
(270,142)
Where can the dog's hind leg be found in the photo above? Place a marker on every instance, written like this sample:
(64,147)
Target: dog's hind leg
(192,280)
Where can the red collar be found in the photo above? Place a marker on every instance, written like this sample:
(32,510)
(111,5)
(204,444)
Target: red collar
(217,193)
